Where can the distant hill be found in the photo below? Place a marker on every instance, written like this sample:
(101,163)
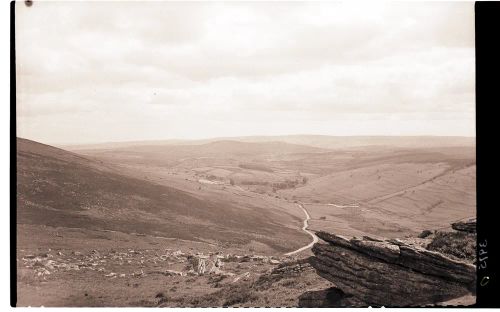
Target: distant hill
(337,142)
(61,189)
(168,155)
(319,141)
(223,147)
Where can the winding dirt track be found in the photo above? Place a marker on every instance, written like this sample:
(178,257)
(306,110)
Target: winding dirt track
(304,228)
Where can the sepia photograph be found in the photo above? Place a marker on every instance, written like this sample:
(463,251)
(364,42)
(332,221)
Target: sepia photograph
(245,154)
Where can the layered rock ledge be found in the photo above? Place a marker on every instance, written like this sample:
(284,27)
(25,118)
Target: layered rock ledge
(368,271)
(468,226)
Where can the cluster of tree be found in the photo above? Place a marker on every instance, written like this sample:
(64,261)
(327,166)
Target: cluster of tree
(285,185)
(211,177)
(254,183)
(276,185)
(255,167)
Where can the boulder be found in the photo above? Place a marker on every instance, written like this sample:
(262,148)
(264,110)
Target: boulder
(425,233)
(173,273)
(260,258)
(465,226)
(198,264)
(243,276)
(215,265)
(389,272)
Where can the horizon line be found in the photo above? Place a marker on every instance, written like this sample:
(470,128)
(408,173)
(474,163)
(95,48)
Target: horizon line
(247,136)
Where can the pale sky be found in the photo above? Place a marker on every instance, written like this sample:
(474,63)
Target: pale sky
(92,72)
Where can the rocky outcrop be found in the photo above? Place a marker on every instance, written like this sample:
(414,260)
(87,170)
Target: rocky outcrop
(465,226)
(387,273)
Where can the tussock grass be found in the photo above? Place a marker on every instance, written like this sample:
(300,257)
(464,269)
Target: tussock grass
(460,245)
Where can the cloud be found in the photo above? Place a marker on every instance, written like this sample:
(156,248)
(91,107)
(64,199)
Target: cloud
(135,71)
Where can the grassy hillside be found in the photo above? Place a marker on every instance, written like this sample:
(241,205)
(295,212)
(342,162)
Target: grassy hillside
(389,192)
(61,189)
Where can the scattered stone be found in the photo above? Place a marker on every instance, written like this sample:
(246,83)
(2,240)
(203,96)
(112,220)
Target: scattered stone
(177,253)
(260,258)
(43,272)
(174,273)
(49,264)
(245,258)
(138,274)
(243,276)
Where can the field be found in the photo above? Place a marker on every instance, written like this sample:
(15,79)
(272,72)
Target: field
(135,215)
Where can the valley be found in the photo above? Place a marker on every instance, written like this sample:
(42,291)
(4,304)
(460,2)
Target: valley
(228,199)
